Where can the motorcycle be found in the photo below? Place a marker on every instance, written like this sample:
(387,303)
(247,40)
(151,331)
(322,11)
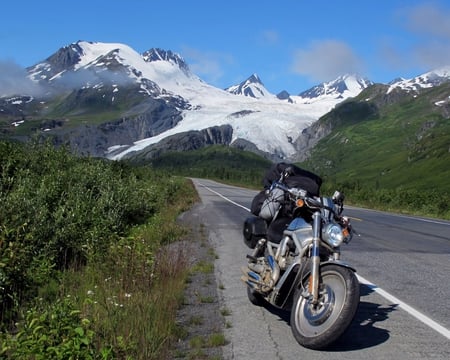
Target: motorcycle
(301,271)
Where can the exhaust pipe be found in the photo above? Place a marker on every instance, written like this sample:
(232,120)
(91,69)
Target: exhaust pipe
(275,270)
(254,275)
(250,284)
(250,276)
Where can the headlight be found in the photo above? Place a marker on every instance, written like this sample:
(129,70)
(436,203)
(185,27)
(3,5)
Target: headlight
(332,234)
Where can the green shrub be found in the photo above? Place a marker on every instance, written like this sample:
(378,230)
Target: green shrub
(79,239)
(59,210)
(56,332)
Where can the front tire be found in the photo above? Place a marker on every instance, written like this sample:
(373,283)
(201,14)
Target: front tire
(317,326)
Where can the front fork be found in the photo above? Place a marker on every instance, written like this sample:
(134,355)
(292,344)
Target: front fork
(315,259)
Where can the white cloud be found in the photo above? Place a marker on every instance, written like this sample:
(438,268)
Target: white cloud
(207,65)
(430,20)
(431,24)
(325,60)
(428,26)
(14,80)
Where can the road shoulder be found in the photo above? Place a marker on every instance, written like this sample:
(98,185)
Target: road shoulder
(200,319)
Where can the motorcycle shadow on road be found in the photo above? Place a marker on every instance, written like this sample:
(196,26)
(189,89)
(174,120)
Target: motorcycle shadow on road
(363,331)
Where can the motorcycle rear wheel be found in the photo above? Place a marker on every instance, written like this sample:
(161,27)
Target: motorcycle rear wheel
(318,326)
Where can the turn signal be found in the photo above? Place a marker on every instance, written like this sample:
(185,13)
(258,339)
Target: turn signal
(345,232)
(299,203)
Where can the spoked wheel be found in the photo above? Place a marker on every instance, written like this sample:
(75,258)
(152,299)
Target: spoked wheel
(316,326)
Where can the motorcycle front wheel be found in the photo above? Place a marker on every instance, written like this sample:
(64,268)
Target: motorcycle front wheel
(316,326)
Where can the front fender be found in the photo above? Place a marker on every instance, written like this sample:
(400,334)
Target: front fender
(306,271)
(338,262)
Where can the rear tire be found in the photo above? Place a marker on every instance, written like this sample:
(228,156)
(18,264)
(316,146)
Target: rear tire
(316,327)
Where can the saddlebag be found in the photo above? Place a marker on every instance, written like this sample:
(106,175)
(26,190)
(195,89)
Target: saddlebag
(272,204)
(255,228)
(267,203)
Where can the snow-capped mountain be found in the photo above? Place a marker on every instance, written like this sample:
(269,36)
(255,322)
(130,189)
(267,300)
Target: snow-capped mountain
(256,115)
(427,80)
(252,87)
(95,65)
(342,87)
(266,121)
(154,96)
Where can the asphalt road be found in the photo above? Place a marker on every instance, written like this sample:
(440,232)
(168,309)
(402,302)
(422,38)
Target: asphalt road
(403,266)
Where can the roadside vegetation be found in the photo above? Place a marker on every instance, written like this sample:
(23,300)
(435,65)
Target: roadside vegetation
(86,266)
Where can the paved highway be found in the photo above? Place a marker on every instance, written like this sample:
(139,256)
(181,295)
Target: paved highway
(403,266)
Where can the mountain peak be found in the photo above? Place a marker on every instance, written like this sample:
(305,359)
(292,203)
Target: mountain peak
(426,80)
(251,87)
(157,54)
(254,78)
(76,56)
(343,86)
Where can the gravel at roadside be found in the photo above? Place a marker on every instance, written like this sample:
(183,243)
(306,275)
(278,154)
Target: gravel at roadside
(201,319)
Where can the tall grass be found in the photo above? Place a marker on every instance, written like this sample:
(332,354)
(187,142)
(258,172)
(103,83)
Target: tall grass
(87,265)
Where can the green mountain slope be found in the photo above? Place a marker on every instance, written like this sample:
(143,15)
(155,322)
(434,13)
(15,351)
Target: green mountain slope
(214,162)
(388,142)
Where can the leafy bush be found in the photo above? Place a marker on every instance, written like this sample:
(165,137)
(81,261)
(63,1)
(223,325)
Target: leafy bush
(56,332)
(59,210)
(84,270)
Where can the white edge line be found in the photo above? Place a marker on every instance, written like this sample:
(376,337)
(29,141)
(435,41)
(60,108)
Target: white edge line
(417,218)
(417,314)
(225,198)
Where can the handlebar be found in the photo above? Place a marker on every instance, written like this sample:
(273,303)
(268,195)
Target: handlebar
(311,202)
(296,193)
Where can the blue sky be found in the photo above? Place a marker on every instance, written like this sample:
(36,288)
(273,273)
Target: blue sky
(292,45)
